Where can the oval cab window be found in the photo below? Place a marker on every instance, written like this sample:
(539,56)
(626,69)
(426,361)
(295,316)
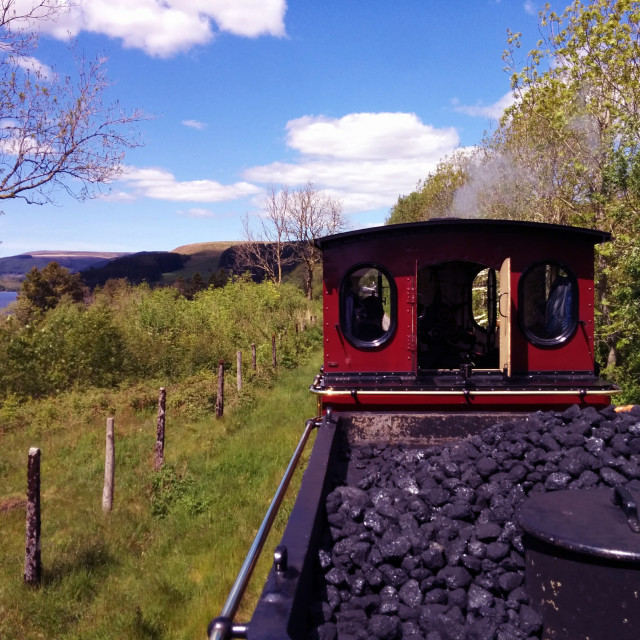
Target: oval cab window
(548,295)
(367,306)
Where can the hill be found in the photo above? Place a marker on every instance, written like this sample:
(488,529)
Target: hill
(162,267)
(165,267)
(146,266)
(14,268)
(205,259)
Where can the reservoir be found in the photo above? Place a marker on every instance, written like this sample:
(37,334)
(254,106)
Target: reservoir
(7,297)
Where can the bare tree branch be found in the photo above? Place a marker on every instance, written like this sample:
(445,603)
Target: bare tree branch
(312,214)
(267,248)
(293,220)
(55,132)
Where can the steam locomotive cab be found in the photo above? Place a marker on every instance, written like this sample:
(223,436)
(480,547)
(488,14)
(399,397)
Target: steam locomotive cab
(433,332)
(460,314)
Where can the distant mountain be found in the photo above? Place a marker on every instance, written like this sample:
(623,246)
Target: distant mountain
(146,266)
(156,267)
(14,268)
(72,260)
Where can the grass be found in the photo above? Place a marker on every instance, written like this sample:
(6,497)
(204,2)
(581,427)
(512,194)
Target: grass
(162,563)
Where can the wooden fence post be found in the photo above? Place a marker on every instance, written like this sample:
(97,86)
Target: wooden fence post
(109,468)
(220,396)
(158,459)
(273,350)
(33,555)
(254,361)
(239,370)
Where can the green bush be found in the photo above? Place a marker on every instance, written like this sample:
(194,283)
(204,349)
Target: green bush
(130,334)
(171,490)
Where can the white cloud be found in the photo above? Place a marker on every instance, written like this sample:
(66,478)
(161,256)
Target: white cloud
(530,8)
(194,124)
(165,27)
(160,184)
(118,196)
(371,136)
(366,159)
(493,111)
(195,212)
(33,65)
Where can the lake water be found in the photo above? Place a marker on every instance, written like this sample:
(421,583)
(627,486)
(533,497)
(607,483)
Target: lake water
(7,297)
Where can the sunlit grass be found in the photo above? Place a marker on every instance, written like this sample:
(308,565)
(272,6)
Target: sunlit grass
(162,563)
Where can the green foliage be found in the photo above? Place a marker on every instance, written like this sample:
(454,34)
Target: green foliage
(171,490)
(133,333)
(433,197)
(43,289)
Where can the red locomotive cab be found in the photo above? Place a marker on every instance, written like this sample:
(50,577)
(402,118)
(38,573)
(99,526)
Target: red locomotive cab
(462,315)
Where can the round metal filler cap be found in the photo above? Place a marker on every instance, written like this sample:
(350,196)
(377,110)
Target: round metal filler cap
(587,522)
(582,563)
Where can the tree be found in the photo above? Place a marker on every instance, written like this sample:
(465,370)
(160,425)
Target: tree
(435,196)
(312,214)
(267,248)
(218,278)
(571,143)
(55,132)
(43,289)
(580,93)
(293,221)
(195,284)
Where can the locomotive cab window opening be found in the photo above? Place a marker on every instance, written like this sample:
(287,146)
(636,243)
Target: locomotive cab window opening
(367,306)
(548,294)
(457,316)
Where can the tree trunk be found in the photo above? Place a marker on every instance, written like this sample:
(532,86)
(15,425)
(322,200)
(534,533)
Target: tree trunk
(309,281)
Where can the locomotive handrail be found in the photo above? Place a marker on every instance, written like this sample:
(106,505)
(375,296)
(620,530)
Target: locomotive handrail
(222,627)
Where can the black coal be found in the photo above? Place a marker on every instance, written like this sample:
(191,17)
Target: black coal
(423,544)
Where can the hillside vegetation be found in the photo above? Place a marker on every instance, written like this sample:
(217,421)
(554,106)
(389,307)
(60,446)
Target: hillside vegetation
(132,333)
(204,258)
(14,268)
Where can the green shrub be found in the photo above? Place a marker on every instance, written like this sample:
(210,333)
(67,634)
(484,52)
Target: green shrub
(173,490)
(138,334)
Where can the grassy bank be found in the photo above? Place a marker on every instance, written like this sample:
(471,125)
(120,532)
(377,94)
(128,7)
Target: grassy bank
(161,564)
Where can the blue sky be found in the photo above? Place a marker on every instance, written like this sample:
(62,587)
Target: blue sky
(361,98)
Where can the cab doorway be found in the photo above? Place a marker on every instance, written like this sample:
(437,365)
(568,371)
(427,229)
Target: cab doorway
(457,309)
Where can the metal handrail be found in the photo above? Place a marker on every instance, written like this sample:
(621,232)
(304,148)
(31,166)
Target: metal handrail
(222,627)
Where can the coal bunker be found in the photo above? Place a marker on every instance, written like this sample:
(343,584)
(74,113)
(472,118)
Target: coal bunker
(422,543)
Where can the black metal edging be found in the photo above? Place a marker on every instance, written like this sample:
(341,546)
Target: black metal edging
(282,612)
(222,627)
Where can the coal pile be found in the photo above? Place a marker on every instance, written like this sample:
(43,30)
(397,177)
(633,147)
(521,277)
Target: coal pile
(423,543)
